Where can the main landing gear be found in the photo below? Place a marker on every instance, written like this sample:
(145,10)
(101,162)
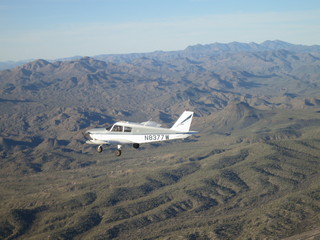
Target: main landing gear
(118,151)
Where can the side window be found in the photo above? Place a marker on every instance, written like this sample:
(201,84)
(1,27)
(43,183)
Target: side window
(127,129)
(117,128)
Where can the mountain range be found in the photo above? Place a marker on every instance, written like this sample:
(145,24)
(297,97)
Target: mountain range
(195,51)
(252,172)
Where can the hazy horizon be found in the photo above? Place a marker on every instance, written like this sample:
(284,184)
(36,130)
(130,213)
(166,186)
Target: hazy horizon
(54,29)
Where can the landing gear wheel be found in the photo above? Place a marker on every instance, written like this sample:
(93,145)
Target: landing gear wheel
(118,153)
(136,145)
(99,149)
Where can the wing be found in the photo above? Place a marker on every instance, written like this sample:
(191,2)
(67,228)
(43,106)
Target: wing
(98,142)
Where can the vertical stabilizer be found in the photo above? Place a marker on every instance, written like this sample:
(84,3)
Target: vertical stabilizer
(184,122)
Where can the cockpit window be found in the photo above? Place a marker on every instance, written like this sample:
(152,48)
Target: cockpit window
(127,129)
(108,128)
(117,128)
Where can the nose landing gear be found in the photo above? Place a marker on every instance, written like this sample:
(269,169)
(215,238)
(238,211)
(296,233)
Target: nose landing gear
(99,149)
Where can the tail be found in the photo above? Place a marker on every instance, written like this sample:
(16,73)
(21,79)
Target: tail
(184,122)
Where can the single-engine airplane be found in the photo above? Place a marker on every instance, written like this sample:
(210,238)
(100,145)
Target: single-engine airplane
(136,133)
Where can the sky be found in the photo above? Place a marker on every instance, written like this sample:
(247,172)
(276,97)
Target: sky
(51,29)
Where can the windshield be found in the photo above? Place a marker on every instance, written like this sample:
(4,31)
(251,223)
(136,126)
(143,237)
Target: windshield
(117,128)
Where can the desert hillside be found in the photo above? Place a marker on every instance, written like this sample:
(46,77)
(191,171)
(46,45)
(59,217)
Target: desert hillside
(252,172)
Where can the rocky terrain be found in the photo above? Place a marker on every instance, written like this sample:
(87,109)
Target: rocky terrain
(251,173)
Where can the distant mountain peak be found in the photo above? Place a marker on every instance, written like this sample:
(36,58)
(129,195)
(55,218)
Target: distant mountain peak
(239,108)
(236,115)
(269,45)
(277,44)
(35,65)
(39,62)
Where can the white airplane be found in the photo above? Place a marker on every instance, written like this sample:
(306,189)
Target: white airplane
(136,133)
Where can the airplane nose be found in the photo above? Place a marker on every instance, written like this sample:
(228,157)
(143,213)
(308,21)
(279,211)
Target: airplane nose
(91,130)
(87,135)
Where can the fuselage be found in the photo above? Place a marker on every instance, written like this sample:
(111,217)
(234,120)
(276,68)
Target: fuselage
(128,132)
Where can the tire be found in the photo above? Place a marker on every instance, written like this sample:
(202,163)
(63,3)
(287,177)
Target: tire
(118,153)
(99,149)
(136,145)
